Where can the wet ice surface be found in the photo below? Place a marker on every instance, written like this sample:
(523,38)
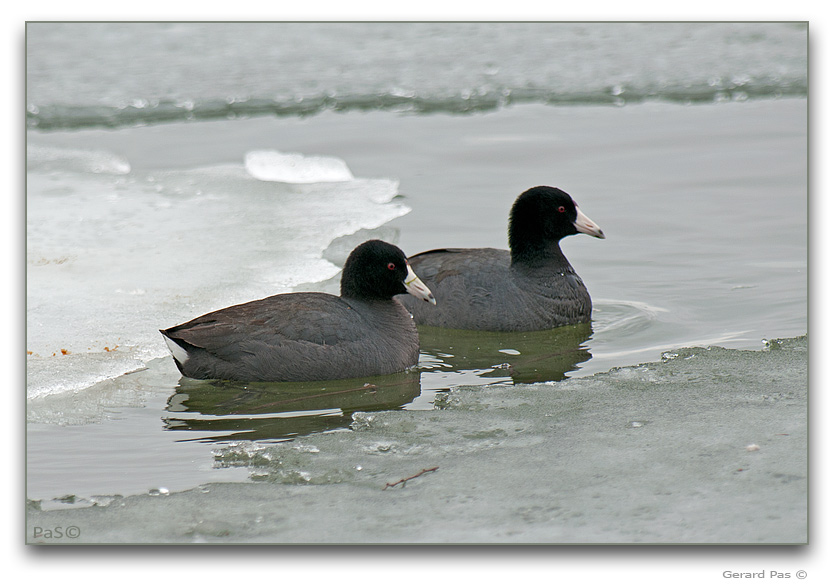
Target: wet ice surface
(238,69)
(655,453)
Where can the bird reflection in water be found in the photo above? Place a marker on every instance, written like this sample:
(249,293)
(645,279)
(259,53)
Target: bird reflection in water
(227,410)
(231,410)
(504,357)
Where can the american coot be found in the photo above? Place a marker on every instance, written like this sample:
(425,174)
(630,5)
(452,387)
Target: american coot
(311,336)
(530,287)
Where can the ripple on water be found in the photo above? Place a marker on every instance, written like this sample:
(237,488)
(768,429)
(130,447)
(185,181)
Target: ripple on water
(624,318)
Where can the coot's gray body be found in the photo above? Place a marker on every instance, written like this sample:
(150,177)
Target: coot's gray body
(530,287)
(311,336)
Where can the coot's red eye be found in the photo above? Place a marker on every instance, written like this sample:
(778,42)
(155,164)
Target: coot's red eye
(561,209)
(391,266)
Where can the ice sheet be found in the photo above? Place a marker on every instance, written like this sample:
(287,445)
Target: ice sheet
(114,256)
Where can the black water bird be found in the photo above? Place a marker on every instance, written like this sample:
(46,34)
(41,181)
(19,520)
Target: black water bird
(530,287)
(311,336)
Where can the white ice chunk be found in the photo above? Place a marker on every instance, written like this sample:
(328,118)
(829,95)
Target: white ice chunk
(270,165)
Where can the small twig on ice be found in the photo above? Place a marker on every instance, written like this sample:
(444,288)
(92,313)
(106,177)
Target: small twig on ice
(404,480)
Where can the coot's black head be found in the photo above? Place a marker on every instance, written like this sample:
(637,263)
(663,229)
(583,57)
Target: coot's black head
(378,270)
(543,215)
